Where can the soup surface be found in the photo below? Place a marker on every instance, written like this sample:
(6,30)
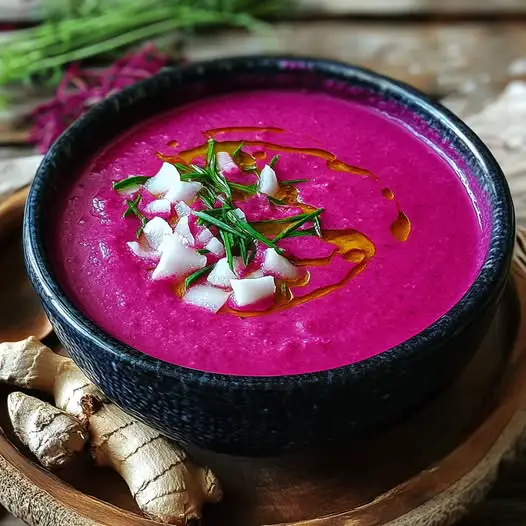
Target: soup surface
(377,237)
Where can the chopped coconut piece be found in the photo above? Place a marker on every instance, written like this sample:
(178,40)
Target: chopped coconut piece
(239,213)
(167,240)
(268,182)
(155,230)
(216,247)
(142,252)
(159,206)
(210,298)
(278,265)
(182,209)
(248,291)
(183,191)
(225,162)
(221,274)
(164,180)
(177,260)
(183,229)
(204,236)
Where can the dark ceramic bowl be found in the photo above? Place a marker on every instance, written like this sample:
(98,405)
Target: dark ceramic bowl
(260,415)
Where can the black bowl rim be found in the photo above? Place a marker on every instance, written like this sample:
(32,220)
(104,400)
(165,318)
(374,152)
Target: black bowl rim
(486,287)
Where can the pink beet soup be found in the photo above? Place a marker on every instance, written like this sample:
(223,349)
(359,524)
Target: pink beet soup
(396,243)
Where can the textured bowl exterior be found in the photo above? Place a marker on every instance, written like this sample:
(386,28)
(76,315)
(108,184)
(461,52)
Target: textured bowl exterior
(265,415)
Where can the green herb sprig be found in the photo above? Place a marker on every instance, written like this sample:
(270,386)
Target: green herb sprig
(293,181)
(296,225)
(74,31)
(197,274)
(132,209)
(130,182)
(273,161)
(238,235)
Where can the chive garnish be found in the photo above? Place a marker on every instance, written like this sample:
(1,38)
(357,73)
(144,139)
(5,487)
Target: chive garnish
(293,181)
(198,169)
(274,201)
(183,167)
(317,225)
(239,236)
(297,224)
(248,229)
(197,274)
(301,233)
(288,219)
(247,188)
(243,251)
(227,242)
(219,211)
(213,173)
(130,182)
(133,210)
(218,223)
(238,149)
(132,207)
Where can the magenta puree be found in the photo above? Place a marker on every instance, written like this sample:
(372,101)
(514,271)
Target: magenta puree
(405,287)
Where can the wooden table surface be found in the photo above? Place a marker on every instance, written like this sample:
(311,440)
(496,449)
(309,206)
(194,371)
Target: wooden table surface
(463,51)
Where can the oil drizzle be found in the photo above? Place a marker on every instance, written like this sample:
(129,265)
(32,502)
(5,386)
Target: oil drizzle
(353,246)
(401,227)
(230,147)
(242,129)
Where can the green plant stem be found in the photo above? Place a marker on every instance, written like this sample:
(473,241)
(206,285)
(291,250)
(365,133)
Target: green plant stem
(104,29)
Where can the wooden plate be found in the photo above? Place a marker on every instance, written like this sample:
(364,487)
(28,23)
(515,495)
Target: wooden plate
(20,310)
(437,464)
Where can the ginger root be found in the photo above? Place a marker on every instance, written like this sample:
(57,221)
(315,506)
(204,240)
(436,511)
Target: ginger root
(52,435)
(166,484)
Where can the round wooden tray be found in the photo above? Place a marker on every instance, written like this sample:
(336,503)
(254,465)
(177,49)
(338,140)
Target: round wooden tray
(432,467)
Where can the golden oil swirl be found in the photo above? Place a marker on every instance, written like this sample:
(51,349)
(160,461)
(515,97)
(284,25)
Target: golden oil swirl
(353,246)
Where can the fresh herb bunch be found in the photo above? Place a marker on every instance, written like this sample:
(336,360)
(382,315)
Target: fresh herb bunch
(79,30)
(239,237)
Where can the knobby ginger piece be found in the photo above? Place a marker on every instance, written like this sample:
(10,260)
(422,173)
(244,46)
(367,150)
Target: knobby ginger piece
(52,435)
(31,365)
(166,484)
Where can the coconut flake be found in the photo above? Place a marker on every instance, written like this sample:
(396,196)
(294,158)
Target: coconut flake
(204,236)
(221,274)
(225,162)
(183,191)
(177,259)
(216,247)
(248,291)
(163,180)
(182,209)
(183,229)
(143,252)
(210,298)
(159,206)
(155,230)
(273,263)
(239,213)
(268,182)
